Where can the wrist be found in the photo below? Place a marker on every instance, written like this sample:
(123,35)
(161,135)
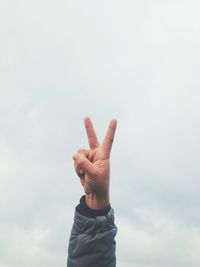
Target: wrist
(84,210)
(96,202)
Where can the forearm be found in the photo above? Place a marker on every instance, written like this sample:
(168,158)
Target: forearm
(92,240)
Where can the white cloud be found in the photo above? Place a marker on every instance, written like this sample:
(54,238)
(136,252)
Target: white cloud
(164,242)
(136,61)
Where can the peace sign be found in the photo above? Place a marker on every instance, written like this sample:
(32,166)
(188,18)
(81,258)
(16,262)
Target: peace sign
(108,140)
(93,165)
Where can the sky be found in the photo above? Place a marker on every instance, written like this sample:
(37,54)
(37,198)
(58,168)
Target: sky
(136,61)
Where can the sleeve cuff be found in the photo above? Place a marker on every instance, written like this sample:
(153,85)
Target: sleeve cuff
(84,210)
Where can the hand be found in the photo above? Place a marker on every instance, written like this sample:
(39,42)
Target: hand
(93,166)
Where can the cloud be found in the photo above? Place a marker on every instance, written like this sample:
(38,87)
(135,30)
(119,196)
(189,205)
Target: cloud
(136,61)
(152,243)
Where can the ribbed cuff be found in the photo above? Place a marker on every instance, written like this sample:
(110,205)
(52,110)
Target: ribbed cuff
(84,210)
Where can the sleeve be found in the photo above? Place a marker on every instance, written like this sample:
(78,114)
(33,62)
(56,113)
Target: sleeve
(92,239)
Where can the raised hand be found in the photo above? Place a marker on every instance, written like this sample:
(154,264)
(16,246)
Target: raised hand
(93,166)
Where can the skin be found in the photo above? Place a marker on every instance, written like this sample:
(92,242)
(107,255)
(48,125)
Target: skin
(93,166)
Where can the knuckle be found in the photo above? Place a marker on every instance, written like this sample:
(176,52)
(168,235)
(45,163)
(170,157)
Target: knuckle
(82,151)
(80,162)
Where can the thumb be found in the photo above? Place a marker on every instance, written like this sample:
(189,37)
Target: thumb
(84,164)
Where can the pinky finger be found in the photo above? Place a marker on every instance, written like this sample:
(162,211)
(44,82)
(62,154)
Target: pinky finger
(79,171)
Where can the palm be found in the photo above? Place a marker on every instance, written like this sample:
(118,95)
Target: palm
(102,168)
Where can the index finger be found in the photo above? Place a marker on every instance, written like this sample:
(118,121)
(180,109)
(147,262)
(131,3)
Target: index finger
(92,138)
(108,140)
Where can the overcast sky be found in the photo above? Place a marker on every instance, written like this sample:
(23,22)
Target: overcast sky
(137,61)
